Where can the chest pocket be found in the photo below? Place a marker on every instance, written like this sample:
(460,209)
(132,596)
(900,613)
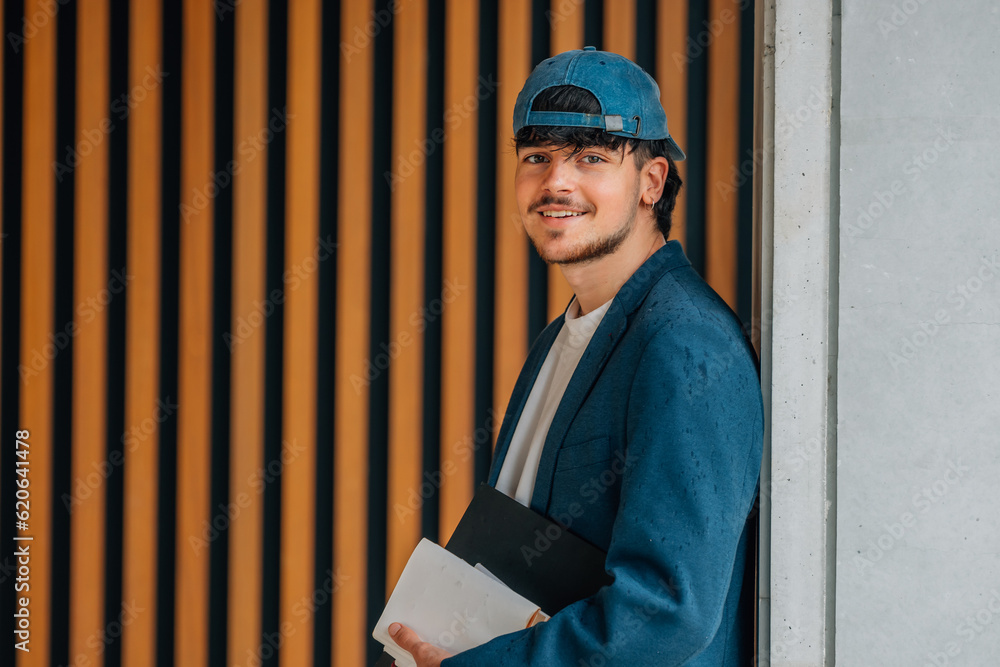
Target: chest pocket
(581,490)
(591,452)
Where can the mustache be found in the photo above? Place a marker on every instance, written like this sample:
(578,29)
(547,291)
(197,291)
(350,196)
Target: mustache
(549,200)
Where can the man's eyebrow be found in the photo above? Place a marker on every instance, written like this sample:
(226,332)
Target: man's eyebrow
(574,149)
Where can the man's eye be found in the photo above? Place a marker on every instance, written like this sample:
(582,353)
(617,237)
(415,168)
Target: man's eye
(534,159)
(593,159)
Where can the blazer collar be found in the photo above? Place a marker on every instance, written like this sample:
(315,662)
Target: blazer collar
(607,335)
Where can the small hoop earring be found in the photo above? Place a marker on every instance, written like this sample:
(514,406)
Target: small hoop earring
(651,205)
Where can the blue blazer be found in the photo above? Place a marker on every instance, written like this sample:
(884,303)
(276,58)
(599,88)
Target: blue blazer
(654,456)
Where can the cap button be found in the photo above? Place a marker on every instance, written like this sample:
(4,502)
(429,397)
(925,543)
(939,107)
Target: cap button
(590,48)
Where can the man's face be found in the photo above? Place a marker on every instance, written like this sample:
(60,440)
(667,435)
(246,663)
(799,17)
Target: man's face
(576,208)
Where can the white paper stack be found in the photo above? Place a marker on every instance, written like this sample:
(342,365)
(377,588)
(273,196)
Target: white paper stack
(450,604)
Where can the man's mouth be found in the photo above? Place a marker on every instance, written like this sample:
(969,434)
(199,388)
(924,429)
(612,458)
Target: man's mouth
(561,214)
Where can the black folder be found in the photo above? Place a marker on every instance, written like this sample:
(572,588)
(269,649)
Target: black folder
(538,558)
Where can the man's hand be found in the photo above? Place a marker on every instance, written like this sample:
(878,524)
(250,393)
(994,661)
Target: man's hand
(426,655)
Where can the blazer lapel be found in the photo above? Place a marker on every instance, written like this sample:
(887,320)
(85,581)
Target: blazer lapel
(594,358)
(519,397)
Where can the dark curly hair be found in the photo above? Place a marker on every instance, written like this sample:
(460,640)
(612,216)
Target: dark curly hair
(578,100)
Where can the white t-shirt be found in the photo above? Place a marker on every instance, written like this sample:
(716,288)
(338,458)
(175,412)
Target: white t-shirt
(520,466)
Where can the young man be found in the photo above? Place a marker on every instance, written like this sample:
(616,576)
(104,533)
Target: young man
(637,419)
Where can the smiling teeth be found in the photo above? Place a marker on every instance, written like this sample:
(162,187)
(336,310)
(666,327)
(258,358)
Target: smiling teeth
(560,214)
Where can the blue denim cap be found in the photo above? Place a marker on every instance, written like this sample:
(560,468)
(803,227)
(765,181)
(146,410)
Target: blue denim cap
(629,97)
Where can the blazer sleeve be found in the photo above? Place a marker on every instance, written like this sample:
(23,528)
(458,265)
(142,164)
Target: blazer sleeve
(694,429)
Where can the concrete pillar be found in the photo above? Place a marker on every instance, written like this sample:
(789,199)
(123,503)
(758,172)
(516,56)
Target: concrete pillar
(799,271)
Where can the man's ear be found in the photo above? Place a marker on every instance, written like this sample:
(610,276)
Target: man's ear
(654,177)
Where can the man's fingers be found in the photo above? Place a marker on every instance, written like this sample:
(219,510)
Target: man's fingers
(405,637)
(425,654)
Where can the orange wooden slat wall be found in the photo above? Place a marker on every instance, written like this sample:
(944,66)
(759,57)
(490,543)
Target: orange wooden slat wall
(350,505)
(194,381)
(303,252)
(90,345)
(246,417)
(142,345)
(566,25)
(672,78)
(619,27)
(37,297)
(406,394)
(511,291)
(566,21)
(723,146)
(462,91)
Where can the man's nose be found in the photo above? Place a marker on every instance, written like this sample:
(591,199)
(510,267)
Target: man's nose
(559,177)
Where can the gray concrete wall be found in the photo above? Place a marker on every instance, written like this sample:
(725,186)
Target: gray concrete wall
(918,363)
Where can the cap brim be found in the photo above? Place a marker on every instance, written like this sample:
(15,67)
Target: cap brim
(674,151)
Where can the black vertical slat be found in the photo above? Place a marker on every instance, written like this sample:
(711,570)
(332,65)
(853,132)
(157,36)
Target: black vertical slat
(697,111)
(274,345)
(10,308)
(62,336)
(645,35)
(222,265)
(169,335)
(118,64)
(538,270)
(593,23)
(486,232)
(381,279)
(433,265)
(325,572)
(327,328)
(744,171)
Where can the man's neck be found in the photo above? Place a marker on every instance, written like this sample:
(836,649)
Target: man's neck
(595,283)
